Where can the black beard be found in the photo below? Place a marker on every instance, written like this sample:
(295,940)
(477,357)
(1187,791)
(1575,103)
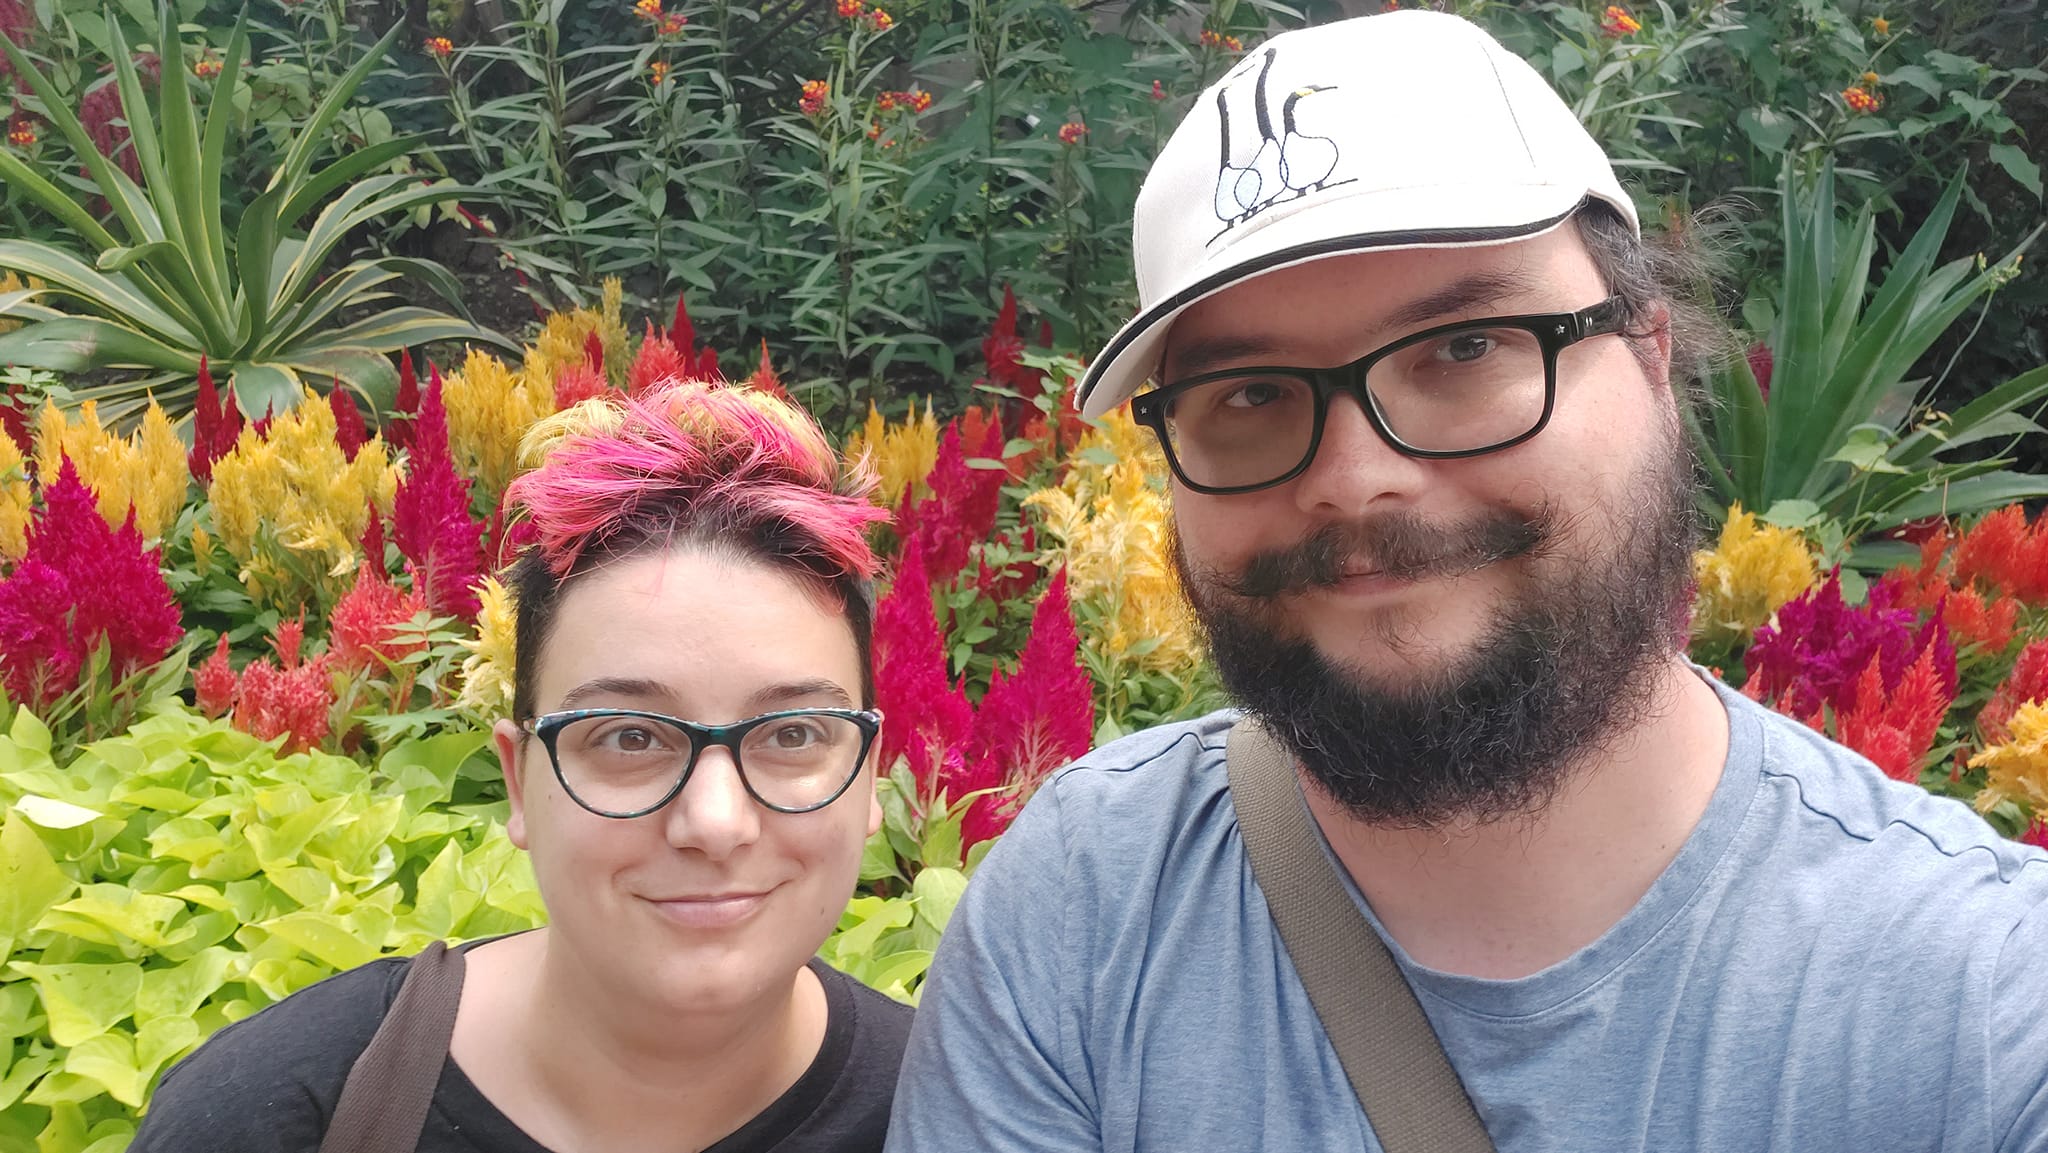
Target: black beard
(1561,670)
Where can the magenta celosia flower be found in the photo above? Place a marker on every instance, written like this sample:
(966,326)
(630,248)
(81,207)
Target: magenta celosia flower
(1760,365)
(961,510)
(14,419)
(15,23)
(1030,723)
(398,433)
(349,430)
(430,517)
(79,585)
(925,715)
(2037,833)
(216,423)
(1812,654)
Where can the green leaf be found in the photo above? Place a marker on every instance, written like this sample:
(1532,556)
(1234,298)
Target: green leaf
(30,881)
(1791,513)
(2019,166)
(937,891)
(83,1000)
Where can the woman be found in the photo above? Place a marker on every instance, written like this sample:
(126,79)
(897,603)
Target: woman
(690,764)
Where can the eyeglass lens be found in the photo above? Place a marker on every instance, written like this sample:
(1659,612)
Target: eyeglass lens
(1456,391)
(628,764)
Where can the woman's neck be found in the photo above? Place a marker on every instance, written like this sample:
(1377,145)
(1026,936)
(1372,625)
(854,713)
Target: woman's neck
(578,1067)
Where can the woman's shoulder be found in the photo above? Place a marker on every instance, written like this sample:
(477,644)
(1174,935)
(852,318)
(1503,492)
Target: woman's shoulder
(269,1081)
(841,1104)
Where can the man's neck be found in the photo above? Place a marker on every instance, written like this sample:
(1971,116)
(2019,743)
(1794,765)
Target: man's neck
(1511,898)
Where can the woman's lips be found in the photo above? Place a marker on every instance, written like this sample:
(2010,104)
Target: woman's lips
(716,911)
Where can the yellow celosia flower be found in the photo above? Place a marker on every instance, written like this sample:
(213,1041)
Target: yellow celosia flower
(14,498)
(291,507)
(146,471)
(1748,575)
(489,410)
(487,672)
(562,339)
(2019,767)
(1111,522)
(901,454)
(9,282)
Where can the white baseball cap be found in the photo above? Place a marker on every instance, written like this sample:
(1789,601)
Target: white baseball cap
(1409,129)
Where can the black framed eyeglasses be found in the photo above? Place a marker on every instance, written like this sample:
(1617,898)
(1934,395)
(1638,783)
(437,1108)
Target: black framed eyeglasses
(1456,390)
(624,763)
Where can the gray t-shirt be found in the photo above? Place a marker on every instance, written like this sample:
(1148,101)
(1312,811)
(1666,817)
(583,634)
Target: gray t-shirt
(1834,961)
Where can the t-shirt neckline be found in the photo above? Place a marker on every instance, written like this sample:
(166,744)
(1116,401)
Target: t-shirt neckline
(1668,896)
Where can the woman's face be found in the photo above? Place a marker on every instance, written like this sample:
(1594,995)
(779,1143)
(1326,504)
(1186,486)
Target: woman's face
(712,900)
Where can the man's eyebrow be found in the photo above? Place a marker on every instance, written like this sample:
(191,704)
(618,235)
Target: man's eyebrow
(1198,355)
(1466,294)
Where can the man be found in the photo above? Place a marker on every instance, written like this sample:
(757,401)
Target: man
(1638,911)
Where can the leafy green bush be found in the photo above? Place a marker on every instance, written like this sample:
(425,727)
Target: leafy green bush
(179,284)
(182,875)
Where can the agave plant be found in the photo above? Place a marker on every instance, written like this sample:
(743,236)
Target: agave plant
(1841,433)
(170,283)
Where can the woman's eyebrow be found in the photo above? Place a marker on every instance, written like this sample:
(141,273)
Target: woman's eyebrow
(768,698)
(613,687)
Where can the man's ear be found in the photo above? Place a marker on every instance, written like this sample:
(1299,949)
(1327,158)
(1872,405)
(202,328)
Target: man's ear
(512,747)
(1660,336)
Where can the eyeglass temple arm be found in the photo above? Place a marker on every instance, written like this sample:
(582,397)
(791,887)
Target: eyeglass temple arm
(1599,319)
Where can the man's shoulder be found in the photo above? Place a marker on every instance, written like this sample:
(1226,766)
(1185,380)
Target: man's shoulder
(1835,810)
(272,1074)
(1165,759)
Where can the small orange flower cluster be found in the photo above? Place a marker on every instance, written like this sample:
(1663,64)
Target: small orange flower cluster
(913,101)
(21,133)
(851,9)
(1072,131)
(440,46)
(1881,26)
(207,68)
(657,71)
(1213,39)
(874,129)
(816,92)
(665,23)
(1158,90)
(880,21)
(1390,6)
(1862,100)
(1616,22)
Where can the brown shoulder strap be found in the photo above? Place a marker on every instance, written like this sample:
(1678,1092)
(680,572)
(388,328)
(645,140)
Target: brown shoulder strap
(384,1101)
(1410,1093)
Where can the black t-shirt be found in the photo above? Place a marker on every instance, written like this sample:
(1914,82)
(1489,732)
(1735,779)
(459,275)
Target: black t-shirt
(268,1084)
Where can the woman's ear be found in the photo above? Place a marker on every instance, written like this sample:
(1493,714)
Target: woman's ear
(512,746)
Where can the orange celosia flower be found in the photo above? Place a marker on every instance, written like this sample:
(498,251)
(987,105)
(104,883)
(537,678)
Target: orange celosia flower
(1989,627)
(2001,551)
(1896,729)
(1616,22)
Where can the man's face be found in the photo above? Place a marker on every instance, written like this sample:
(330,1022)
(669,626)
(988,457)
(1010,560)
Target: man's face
(1481,619)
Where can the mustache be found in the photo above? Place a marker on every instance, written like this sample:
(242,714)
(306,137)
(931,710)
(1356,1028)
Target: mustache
(1400,545)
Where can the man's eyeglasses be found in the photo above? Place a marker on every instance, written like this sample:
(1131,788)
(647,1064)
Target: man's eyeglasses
(1455,390)
(628,763)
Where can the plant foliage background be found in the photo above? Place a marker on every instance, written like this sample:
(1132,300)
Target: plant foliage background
(249,643)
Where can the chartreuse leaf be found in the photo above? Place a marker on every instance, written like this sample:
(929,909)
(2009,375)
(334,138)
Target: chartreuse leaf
(83,1000)
(30,881)
(108,1061)
(110,914)
(179,990)
(16,1080)
(936,893)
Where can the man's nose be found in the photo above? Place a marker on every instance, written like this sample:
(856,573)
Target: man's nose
(1355,470)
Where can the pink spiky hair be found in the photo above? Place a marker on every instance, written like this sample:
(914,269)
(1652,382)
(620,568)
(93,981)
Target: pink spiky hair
(693,452)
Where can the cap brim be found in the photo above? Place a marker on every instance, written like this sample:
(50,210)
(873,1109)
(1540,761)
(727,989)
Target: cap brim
(1484,216)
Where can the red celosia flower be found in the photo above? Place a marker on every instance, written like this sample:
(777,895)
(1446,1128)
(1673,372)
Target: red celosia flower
(961,510)
(262,427)
(1002,351)
(349,430)
(1031,723)
(657,363)
(78,585)
(2037,833)
(101,113)
(16,21)
(925,714)
(2002,551)
(14,419)
(216,423)
(363,619)
(2027,682)
(1760,365)
(764,378)
(288,638)
(292,703)
(1895,726)
(1989,627)
(213,683)
(1812,654)
(430,516)
(577,383)
(373,542)
(593,351)
(407,406)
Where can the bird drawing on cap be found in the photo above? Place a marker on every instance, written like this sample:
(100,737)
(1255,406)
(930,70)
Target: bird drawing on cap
(1288,161)
(1306,162)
